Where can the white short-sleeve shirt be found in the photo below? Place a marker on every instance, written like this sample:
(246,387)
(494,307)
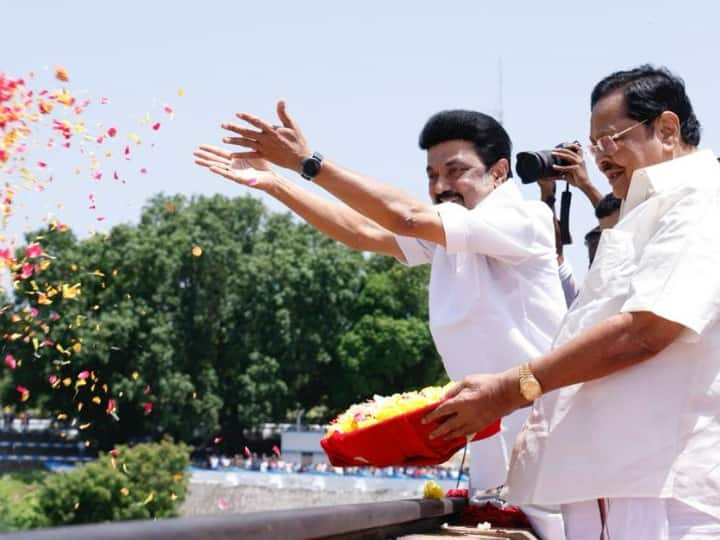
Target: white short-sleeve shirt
(495,298)
(652,430)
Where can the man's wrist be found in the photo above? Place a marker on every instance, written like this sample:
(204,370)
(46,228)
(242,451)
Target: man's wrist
(311,166)
(511,389)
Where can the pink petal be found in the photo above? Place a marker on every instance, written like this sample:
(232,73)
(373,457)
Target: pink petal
(33,250)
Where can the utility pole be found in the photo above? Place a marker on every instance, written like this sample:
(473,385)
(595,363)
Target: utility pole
(500,91)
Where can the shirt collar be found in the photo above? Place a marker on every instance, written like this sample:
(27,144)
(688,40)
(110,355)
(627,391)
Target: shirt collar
(504,193)
(648,181)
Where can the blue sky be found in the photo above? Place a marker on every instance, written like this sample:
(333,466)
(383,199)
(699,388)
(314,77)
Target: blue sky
(360,78)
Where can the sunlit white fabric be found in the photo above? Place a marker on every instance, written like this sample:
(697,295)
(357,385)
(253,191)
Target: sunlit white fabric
(495,299)
(652,430)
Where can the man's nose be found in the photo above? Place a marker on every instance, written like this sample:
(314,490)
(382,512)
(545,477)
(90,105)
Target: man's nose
(442,184)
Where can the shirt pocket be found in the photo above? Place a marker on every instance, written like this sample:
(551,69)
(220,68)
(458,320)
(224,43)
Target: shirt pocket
(613,267)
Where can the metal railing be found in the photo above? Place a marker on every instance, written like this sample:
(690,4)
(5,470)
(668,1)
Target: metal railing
(368,521)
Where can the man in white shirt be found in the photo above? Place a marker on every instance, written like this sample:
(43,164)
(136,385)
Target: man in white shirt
(494,290)
(627,435)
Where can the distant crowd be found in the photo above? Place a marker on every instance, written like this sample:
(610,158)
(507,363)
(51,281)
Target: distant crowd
(273,464)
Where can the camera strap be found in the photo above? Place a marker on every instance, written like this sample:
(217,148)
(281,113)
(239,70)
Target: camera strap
(565,200)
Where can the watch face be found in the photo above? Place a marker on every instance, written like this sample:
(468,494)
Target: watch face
(530,389)
(310,167)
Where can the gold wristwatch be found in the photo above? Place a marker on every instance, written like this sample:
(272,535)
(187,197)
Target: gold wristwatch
(529,386)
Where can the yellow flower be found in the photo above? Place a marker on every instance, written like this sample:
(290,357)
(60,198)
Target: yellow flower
(432,490)
(384,407)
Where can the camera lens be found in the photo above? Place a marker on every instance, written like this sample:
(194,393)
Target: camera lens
(532,166)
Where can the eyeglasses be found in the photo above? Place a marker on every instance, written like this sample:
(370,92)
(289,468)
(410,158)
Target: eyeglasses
(607,144)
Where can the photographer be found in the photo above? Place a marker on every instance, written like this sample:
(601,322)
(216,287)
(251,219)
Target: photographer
(567,163)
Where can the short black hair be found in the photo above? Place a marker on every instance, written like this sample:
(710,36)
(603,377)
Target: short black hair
(491,141)
(648,92)
(593,234)
(607,206)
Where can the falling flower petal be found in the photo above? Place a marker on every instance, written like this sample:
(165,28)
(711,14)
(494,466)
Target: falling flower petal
(70,291)
(61,74)
(10,361)
(33,250)
(24,392)
(223,504)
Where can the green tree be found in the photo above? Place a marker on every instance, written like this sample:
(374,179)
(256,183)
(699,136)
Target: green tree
(143,482)
(389,347)
(208,317)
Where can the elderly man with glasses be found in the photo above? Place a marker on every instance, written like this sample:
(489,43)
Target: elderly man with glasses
(624,431)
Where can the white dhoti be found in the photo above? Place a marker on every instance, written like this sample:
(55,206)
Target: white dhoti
(638,519)
(490,458)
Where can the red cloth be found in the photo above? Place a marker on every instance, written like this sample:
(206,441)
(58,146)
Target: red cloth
(401,440)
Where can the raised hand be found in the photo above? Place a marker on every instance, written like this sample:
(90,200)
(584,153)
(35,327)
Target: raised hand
(255,172)
(282,145)
(575,173)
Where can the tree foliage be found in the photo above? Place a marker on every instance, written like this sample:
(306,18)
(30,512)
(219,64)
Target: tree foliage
(209,316)
(146,481)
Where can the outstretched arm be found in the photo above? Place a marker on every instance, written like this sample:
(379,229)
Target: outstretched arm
(335,220)
(385,205)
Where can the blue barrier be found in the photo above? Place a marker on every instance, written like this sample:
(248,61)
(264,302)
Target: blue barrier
(43,458)
(31,444)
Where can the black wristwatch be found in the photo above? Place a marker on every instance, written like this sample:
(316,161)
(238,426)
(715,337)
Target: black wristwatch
(311,166)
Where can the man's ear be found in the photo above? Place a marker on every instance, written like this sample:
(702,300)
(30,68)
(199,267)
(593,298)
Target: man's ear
(667,126)
(499,171)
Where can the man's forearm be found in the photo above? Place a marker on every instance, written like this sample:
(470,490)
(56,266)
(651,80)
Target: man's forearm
(612,345)
(384,204)
(592,193)
(335,220)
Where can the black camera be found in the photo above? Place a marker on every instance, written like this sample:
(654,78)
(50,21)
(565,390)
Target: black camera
(531,166)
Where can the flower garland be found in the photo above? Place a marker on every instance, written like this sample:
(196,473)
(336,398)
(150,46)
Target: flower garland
(381,408)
